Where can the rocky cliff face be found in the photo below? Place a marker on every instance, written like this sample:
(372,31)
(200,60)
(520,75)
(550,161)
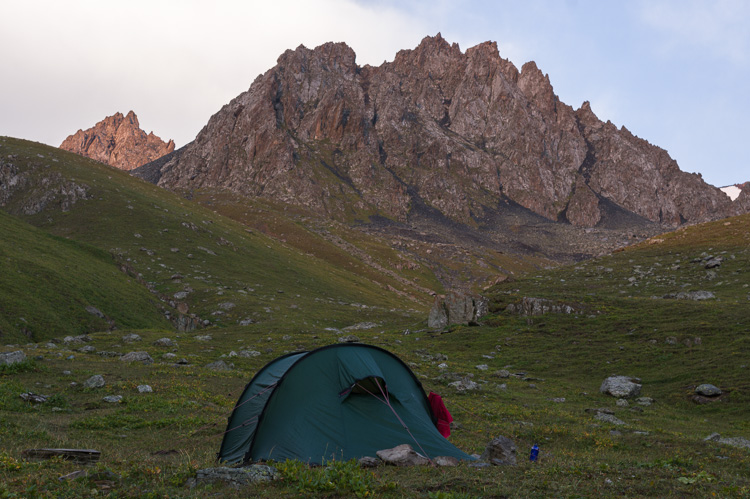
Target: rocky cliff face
(118,141)
(462,133)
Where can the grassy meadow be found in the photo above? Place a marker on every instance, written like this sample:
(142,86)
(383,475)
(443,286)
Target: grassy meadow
(537,375)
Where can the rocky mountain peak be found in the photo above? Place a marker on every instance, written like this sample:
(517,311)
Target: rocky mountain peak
(459,135)
(118,141)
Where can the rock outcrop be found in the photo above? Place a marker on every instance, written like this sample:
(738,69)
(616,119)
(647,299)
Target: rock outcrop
(459,133)
(118,141)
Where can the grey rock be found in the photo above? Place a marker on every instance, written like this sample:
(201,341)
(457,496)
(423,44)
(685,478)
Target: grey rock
(145,389)
(500,451)
(708,390)
(164,342)
(621,387)
(348,339)
(169,355)
(248,353)
(131,338)
(480,465)
(34,398)
(502,373)
(87,349)
(456,308)
(205,337)
(402,455)
(10,358)
(446,461)
(72,340)
(622,403)
(220,365)
(95,381)
(645,401)
(691,295)
(464,384)
(559,400)
(482,367)
(714,262)
(530,306)
(227,305)
(361,326)
(609,418)
(739,442)
(113,399)
(238,477)
(369,462)
(137,357)
(180,295)
(94,311)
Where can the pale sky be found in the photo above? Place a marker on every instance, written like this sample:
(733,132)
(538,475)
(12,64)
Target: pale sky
(674,72)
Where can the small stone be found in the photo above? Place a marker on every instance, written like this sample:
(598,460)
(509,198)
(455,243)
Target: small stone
(249,353)
(482,367)
(442,365)
(622,403)
(131,338)
(402,455)
(348,339)
(621,387)
(10,358)
(500,451)
(464,384)
(559,400)
(608,418)
(113,399)
(502,373)
(95,381)
(446,461)
(137,357)
(145,389)
(708,390)
(644,401)
(220,365)
(164,342)
(369,462)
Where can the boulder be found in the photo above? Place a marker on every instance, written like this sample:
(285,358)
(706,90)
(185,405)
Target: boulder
(621,387)
(456,308)
(10,358)
(500,451)
(164,342)
(402,455)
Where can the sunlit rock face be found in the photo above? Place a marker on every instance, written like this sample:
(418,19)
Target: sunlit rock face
(118,141)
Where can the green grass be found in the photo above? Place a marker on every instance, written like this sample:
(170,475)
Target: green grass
(623,326)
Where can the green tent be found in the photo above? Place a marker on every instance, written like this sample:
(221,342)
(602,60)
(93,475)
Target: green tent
(338,402)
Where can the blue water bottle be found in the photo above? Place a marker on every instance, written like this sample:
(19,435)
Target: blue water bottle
(534,453)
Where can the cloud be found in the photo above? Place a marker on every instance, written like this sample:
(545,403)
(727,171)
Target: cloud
(718,27)
(67,65)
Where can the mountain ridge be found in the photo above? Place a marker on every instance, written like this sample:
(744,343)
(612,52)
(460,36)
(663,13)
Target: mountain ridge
(459,131)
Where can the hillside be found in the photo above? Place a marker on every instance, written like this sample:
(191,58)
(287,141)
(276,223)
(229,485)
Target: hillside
(204,268)
(537,381)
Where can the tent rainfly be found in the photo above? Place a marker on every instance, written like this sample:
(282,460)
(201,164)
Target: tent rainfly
(342,402)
